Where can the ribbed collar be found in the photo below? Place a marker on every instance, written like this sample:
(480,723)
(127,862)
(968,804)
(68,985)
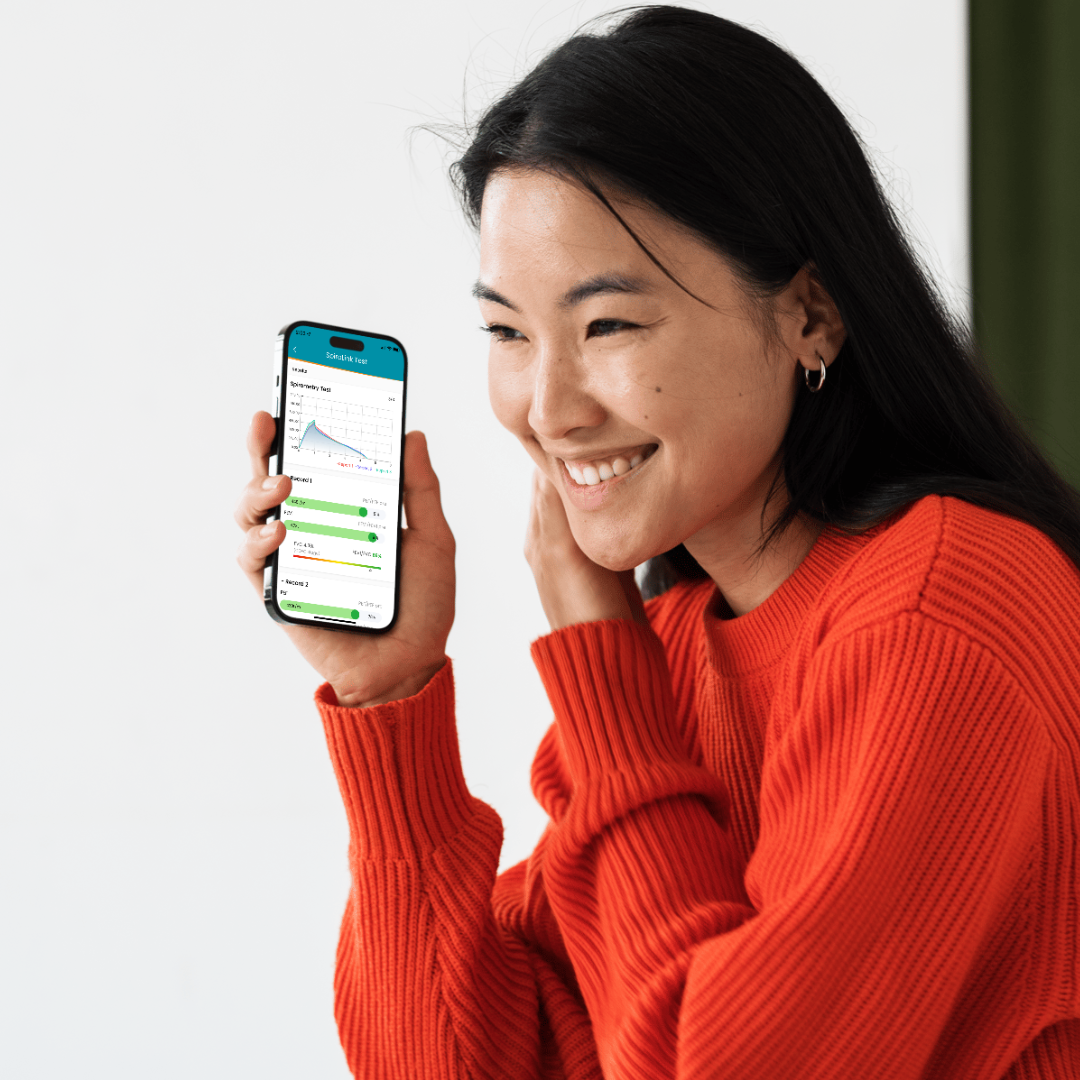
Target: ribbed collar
(742,645)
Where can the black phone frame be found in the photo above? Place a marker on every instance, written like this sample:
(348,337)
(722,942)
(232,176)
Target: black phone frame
(270,570)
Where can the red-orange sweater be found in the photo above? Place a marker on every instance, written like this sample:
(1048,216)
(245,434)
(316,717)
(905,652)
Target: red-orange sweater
(833,838)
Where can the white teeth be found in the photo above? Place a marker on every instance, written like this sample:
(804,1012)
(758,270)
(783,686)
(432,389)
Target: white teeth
(597,473)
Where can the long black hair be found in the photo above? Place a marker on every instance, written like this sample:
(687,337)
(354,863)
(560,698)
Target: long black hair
(730,135)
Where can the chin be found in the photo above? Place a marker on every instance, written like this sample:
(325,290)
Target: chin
(610,563)
(612,558)
(616,546)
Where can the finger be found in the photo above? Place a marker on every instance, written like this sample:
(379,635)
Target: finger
(548,516)
(259,542)
(543,491)
(534,528)
(423,506)
(260,441)
(260,495)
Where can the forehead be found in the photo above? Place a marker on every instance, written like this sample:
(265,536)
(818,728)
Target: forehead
(532,222)
(528,198)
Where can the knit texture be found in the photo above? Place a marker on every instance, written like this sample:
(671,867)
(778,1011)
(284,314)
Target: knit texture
(834,838)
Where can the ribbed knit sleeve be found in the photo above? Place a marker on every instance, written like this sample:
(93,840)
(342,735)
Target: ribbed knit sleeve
(429,981)
(901,808)
(609,686)
(399,771)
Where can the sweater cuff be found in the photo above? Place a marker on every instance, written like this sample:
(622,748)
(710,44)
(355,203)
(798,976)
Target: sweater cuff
(609,685)
(399,770)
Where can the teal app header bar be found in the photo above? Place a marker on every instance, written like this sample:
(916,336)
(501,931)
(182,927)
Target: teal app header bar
(379,357)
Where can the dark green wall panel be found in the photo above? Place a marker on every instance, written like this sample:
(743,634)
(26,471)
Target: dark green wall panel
(1025,207)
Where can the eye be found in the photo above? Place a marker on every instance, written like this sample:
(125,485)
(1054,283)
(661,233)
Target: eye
(503,333)
(605,327)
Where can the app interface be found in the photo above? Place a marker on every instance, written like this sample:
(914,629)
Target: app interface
(342,404)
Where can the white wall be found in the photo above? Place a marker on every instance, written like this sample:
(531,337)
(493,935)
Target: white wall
(179,181)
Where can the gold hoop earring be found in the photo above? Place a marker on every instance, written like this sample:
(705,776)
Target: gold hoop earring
(821,376)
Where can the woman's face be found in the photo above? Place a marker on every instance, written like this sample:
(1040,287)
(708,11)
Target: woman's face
(658,417)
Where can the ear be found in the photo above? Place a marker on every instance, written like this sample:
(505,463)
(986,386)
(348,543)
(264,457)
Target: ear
(810,325)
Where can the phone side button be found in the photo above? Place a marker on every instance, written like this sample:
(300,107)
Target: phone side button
(268,583)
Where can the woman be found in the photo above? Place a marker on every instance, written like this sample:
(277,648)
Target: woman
(814,806)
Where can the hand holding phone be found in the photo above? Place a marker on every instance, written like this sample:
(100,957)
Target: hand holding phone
(363,668)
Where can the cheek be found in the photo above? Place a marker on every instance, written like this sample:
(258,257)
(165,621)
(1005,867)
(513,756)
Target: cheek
(722,447)
(509,395)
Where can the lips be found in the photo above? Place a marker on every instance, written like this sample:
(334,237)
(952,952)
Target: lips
(589,473)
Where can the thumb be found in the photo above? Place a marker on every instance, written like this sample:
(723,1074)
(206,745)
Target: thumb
(423,506)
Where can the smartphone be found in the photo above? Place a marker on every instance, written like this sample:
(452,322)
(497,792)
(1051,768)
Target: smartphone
(339,403)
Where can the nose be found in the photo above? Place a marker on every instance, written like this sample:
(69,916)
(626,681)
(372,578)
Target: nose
(561,399)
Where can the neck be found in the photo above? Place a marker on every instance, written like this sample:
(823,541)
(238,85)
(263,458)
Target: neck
(726,552)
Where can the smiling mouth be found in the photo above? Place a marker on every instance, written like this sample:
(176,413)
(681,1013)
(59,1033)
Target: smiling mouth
(591,473)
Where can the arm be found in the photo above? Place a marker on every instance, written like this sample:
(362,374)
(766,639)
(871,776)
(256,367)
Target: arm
(431,981)
(899,812)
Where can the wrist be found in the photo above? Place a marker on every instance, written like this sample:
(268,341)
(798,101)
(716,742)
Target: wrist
(408,687)
(585,598)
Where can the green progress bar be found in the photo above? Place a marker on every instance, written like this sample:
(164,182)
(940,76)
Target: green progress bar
(319,609)
(330,530)
(326,507)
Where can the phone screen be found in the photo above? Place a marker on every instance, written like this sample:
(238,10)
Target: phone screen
(340,408)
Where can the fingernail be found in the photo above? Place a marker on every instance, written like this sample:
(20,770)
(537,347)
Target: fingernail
(269,482)
(268,528)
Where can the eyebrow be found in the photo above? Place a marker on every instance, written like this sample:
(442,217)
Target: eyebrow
(598,285)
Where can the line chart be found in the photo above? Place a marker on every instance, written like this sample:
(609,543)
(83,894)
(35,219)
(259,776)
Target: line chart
(314,438)
(360,432)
